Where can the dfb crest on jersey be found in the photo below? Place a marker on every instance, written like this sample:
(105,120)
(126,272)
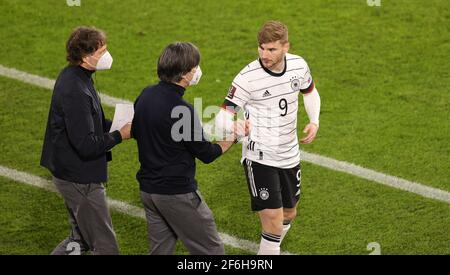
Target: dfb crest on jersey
(295,85)
(231,92)
(263,193)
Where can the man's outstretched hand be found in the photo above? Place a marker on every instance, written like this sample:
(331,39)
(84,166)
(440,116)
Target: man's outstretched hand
(125,131)
(242,128)
(311,131)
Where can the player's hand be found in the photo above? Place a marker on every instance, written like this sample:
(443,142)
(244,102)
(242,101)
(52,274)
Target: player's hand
(239,128)
(311,131)
(248,127)
(125,131)
(242,128)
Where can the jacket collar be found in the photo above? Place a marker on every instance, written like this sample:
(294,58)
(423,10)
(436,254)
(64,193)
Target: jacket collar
(173,87)
(86,75)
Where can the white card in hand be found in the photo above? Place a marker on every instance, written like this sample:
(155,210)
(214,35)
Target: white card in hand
(124,114)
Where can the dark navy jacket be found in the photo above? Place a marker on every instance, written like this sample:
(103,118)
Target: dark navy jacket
(77,143)
(168,162)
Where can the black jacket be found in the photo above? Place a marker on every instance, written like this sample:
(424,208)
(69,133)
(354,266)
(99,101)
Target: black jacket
(168,164)
(77,143)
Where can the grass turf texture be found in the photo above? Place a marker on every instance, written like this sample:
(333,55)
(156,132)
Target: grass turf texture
(339,213)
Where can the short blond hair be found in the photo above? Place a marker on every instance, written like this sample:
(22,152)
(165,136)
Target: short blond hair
(273,31)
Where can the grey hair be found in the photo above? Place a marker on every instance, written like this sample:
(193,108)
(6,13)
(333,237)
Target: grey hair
(176,60)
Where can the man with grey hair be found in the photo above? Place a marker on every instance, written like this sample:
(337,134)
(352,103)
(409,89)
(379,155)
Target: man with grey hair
(174,208)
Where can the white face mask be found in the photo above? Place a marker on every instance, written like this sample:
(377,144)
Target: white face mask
(196,78)
(104,62)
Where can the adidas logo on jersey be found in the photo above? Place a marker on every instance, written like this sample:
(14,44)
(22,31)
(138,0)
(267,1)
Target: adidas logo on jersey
(266,94)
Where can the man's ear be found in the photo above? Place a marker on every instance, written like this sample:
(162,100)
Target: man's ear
(84,59)
(185,75)
(287,46)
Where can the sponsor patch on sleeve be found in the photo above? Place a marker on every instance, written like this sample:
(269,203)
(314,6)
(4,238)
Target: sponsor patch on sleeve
(231,92)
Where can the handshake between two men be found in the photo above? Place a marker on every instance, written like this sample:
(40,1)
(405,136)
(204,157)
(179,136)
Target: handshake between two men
(225,130)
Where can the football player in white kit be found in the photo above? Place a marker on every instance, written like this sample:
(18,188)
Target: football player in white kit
(267,90)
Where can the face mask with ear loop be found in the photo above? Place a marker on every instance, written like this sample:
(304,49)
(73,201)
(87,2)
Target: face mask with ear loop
(196,78)
(104,62)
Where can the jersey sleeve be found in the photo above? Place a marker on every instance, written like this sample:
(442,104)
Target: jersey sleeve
(307,83)
(239,92)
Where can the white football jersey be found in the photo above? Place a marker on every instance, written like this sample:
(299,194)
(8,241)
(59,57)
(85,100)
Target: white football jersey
(270,102)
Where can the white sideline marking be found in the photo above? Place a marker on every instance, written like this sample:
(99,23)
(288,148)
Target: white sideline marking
(342,166)
(399,183)
(117,205)
(47,83)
